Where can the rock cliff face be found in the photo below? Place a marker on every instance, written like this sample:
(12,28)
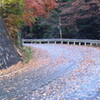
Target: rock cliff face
(8,53)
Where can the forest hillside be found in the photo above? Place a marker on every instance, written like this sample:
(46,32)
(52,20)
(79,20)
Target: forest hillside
(76,18)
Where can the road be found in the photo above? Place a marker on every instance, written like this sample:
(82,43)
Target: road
(71,73)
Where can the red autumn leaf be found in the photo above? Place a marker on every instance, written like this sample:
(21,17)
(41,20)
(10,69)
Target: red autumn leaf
(35,8)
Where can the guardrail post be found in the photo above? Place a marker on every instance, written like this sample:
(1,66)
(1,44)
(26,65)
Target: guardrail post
(79,43)
(35,42)
(74,43)
(68,42)
(90,44)
(85,43)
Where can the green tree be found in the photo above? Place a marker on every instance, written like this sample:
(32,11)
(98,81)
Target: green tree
(11,12)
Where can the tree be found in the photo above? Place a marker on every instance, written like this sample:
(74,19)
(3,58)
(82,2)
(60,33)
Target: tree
(11,12)
(43,27)
(80,18)
(35,8)
(16,12)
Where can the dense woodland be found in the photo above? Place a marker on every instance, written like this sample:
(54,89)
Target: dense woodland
(72,18)
(49,19)
(82,17)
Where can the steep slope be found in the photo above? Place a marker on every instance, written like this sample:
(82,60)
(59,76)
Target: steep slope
(8,53)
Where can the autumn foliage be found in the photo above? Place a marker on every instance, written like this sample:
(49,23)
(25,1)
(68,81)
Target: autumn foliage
(17,12)
(35,8)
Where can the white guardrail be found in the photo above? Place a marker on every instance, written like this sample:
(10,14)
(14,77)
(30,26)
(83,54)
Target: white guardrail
(63,41)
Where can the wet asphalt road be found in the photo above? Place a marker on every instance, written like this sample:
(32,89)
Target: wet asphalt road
(63,59)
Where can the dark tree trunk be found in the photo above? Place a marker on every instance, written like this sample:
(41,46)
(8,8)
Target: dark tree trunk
(8,53)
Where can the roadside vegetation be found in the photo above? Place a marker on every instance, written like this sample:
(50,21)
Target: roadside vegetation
(26,54)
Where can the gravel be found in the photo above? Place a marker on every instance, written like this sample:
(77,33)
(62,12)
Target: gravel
(72,73)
